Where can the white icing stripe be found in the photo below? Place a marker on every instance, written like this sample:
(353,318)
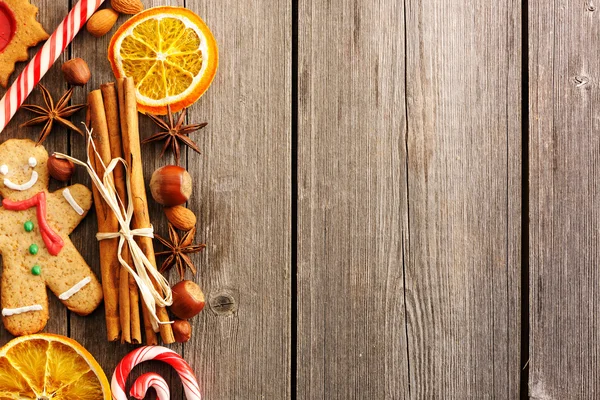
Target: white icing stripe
(7,312)
(24,186)
(66,295)
(32,162)
(69,197)
(3,169)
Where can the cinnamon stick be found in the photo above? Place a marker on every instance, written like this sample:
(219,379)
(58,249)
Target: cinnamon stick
(134,299)
(134,294)
(131,147)
(134,306)
(107,221)
(129,316)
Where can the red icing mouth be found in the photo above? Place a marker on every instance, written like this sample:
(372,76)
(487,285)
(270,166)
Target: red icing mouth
(7,25)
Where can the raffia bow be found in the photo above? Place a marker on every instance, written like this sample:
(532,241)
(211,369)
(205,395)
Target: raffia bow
(144,270)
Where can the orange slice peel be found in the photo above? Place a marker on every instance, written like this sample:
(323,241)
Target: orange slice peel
(47,366)
(171,55)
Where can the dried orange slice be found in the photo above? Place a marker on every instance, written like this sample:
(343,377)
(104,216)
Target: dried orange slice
(171,55)
(46,366)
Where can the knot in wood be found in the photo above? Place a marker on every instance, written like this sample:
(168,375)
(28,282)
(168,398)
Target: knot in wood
(581,80)
(223,303)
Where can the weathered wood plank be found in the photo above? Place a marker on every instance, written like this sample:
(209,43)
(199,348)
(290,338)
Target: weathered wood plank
(564,196)
(352,201)
(243,201)
(50,15)
(464,161)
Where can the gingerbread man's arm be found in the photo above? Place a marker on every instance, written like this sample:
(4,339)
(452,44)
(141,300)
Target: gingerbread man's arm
(5,227)
(67,207)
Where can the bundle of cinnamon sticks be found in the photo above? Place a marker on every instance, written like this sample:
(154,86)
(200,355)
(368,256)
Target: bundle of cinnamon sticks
(114,119)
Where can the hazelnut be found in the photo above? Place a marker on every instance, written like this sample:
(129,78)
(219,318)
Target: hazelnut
(60,169)
(188,300)
(182,330)
(181,217)
(76,72)
(171,185)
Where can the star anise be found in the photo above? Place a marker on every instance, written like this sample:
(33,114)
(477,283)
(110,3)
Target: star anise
(173,133)
(178,250)
(53,112)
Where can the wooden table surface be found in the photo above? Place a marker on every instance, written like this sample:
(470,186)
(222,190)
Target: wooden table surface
(400,199)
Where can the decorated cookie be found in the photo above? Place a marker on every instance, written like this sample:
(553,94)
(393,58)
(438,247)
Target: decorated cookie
(19,30)
(34,241)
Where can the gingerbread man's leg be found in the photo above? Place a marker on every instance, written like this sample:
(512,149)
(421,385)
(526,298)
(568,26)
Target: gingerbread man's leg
(24,298)
(72,281)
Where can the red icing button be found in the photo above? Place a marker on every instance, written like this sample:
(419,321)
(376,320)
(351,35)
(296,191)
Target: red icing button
(7,25)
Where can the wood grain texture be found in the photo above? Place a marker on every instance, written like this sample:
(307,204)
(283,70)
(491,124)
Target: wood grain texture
(409,201)
(464,171)
(565,199)
(352,201)
(50,15)
(242,196)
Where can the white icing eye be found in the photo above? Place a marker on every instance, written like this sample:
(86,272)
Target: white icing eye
(3,169)
(32,162)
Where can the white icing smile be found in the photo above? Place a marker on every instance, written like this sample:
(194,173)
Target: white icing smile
(24,186)
(31,163)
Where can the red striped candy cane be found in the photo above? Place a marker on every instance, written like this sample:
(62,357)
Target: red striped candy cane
(147,381)
(45,58)
(159,353)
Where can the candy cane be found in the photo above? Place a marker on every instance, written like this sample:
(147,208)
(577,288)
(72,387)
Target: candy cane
(159,353)
(147,381)
(45,58)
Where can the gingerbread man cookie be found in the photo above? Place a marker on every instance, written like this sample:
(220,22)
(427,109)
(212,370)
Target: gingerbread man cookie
(34,241)
(19,30)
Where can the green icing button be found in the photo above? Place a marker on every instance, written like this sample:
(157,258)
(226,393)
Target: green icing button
(36,270)
(28,226)
(33,249)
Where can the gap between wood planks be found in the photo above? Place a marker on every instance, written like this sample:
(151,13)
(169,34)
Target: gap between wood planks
(294,206)
(70,56)
(407,196)
(524,359)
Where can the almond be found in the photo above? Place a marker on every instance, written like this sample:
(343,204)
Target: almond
(127,6)
(102,21)
(181,217)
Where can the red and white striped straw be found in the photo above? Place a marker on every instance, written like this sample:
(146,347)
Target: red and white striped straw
(45,58)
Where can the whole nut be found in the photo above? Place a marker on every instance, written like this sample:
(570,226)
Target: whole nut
(188,300)
(182,330)
(60,169)
(101,22)
(181,217)
(76,72)
(127,6)
(171,185)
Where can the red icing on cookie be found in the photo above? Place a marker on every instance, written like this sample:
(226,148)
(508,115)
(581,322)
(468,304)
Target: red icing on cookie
(52,240)
(7,25)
